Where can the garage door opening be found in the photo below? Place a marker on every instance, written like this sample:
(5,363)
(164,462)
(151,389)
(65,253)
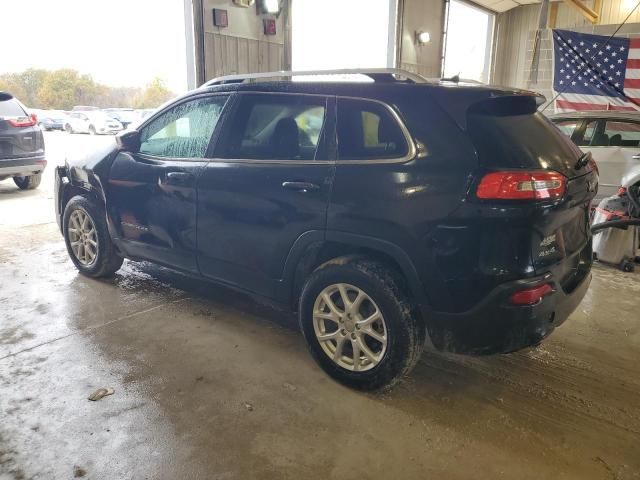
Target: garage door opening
(336,34)
(468,42)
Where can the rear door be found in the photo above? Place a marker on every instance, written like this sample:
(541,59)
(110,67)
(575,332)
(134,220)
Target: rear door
(20,137)
(268,185)
(152,192)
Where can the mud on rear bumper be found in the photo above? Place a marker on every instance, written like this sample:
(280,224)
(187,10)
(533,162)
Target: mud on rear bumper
(497,326)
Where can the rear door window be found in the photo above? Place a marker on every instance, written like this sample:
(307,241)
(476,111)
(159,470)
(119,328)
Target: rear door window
(568,127)
(622,133)
(591,137)
(367,130)
(11,108)
(276,127)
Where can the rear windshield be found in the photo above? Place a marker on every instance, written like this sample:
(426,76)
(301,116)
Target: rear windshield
(11,108)
(522,141)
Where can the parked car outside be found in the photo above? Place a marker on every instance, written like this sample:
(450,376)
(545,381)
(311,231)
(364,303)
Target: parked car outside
(378,211)
(612,137)
(21,144)
(126,116)
(92,122)
(52,120)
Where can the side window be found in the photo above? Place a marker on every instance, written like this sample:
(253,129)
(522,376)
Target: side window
(368,131)
(589,136)
(568,126)
(185,130)
(276,127)
(623,134)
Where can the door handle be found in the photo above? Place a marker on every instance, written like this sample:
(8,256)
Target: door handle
(179,178)
(636,157)
(300,186)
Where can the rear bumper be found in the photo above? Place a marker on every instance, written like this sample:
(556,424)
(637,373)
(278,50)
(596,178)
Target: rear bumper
(497,326)
(20,167)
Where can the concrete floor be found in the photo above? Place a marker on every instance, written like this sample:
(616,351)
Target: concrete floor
(211,384)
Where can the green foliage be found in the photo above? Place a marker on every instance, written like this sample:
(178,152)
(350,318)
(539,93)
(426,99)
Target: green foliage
(64,88)
(155,94)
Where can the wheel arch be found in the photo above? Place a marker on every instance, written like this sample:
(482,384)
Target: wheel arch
(314,249)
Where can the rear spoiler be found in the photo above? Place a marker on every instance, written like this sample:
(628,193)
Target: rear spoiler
(459,102)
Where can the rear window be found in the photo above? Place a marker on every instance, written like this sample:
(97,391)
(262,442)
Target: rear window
(528,141)
(11,108)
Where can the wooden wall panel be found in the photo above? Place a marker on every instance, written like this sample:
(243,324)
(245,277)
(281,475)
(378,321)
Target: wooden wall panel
(227,55)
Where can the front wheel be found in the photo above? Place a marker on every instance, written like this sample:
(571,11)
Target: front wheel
(28,183)
(87,239)
(359,325)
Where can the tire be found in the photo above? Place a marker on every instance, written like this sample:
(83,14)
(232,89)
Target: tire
(106,260)
(68,128)
(92,130)
(28,183)
(403,332)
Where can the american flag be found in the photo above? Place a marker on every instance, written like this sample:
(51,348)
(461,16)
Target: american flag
(591,73)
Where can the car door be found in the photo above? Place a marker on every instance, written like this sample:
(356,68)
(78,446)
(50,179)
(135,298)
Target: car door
(152,191)
(590,137)
(621,154)
(268,185)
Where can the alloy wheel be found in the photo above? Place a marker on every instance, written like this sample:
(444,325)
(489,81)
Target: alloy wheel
(83,237)
(349,327)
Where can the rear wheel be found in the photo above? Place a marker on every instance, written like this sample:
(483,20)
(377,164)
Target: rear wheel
(87,239)
(358,324)
(28,183)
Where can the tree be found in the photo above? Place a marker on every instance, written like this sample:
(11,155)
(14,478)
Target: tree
(62,89)
(155,94)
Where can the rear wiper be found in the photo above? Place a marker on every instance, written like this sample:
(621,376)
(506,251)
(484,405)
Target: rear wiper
(583,161)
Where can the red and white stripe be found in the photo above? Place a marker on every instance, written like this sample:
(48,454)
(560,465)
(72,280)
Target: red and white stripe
(570,102)
(632,74)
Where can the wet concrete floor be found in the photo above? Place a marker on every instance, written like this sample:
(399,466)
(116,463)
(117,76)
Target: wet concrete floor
(212,384)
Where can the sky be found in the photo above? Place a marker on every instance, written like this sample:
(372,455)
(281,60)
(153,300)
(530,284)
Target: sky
(119,42)
(355,37)
(464,57)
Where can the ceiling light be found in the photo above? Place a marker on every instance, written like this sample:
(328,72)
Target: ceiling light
(422,38)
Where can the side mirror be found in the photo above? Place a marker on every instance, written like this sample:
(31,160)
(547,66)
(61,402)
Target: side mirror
(129,141)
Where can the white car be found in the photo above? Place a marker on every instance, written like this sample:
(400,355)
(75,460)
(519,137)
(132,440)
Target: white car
(92,122)
(612,137)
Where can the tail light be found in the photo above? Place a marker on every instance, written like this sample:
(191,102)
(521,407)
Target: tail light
(21,122)
(531,296)
(519,185)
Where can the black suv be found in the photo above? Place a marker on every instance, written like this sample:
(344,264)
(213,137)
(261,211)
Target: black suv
(21,144)
(377,210)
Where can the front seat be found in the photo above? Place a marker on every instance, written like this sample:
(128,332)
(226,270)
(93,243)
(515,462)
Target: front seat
(285,140)
(615,140)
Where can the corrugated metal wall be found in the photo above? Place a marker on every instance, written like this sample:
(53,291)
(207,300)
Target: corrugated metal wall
(514,34)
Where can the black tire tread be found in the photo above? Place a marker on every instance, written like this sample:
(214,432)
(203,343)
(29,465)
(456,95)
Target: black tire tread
(29,182)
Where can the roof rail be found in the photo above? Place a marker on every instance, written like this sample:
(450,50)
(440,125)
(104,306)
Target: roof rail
(376,74)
